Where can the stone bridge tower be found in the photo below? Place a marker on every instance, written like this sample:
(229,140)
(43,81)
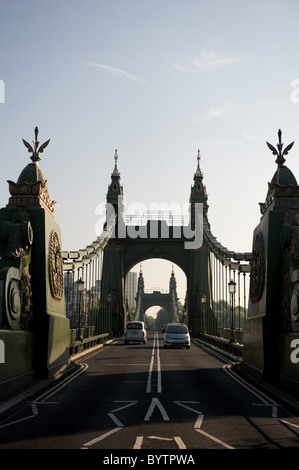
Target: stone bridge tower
(145,300)
(33,325)
(273,311)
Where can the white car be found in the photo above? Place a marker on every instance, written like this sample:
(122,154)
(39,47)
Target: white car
(177,334)
(135,332)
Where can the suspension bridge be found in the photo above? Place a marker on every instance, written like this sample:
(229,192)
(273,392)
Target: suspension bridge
(55,303)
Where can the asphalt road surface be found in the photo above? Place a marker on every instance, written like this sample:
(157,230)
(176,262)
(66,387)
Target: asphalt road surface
(146,397)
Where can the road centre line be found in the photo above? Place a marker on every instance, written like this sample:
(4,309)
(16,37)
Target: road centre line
(149,380)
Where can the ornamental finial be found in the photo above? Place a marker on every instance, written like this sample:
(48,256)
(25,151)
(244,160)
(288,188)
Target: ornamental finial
(36,149)
(115,171)
(280,154)
(198,172)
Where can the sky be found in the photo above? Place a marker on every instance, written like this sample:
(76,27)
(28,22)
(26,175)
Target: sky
(157,81)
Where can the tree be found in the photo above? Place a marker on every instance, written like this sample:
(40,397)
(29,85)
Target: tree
(150,323)
(162,318)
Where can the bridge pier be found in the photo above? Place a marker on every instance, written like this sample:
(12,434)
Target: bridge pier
(273,310)
(33,325)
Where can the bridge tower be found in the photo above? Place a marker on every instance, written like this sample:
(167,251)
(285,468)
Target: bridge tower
(199,280)
(113,276)
(167,300)
(129,245)
(33,324)
(273,311)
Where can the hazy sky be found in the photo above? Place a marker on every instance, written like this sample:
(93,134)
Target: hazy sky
(157,80)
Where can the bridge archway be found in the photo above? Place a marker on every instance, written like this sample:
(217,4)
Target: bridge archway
(158,284)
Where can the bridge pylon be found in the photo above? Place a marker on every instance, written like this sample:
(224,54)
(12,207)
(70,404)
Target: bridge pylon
(180,243)
(167,300)
(272,324)
(33,324)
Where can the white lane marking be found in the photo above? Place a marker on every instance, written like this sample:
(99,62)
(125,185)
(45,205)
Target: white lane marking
(129,403)
(200,417)
(227,446)
(34,415)
(149,379)
(115,420)
(178,441)
(151,367)
(100,438)
(159,368)
(274,408)
(34,409)
(198,423)
(111,413)
(287,422)
(259,394)
(156,403)
(138,442)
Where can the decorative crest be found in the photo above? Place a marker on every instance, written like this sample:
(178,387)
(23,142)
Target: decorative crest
(36,149)
(280,154)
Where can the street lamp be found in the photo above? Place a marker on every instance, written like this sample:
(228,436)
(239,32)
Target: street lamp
(232,291)
(203,301)
(80,288)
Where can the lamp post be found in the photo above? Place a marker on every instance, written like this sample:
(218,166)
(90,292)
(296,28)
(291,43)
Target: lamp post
(203,302)
(80,288)
(232,291)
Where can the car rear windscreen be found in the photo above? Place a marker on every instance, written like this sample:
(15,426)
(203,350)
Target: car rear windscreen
(134,326)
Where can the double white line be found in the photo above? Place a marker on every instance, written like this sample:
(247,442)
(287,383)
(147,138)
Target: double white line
(158,367)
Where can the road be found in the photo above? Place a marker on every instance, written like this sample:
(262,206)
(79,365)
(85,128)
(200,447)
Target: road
(146,397)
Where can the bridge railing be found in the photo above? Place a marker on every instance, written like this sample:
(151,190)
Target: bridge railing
(87,327)
(229,311)
(167,216)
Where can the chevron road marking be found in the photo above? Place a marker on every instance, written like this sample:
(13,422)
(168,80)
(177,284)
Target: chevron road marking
(156,403)
(100,438)
(200,417)
(34,414)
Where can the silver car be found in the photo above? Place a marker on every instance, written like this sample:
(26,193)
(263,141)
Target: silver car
(177,334)
(135,332)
